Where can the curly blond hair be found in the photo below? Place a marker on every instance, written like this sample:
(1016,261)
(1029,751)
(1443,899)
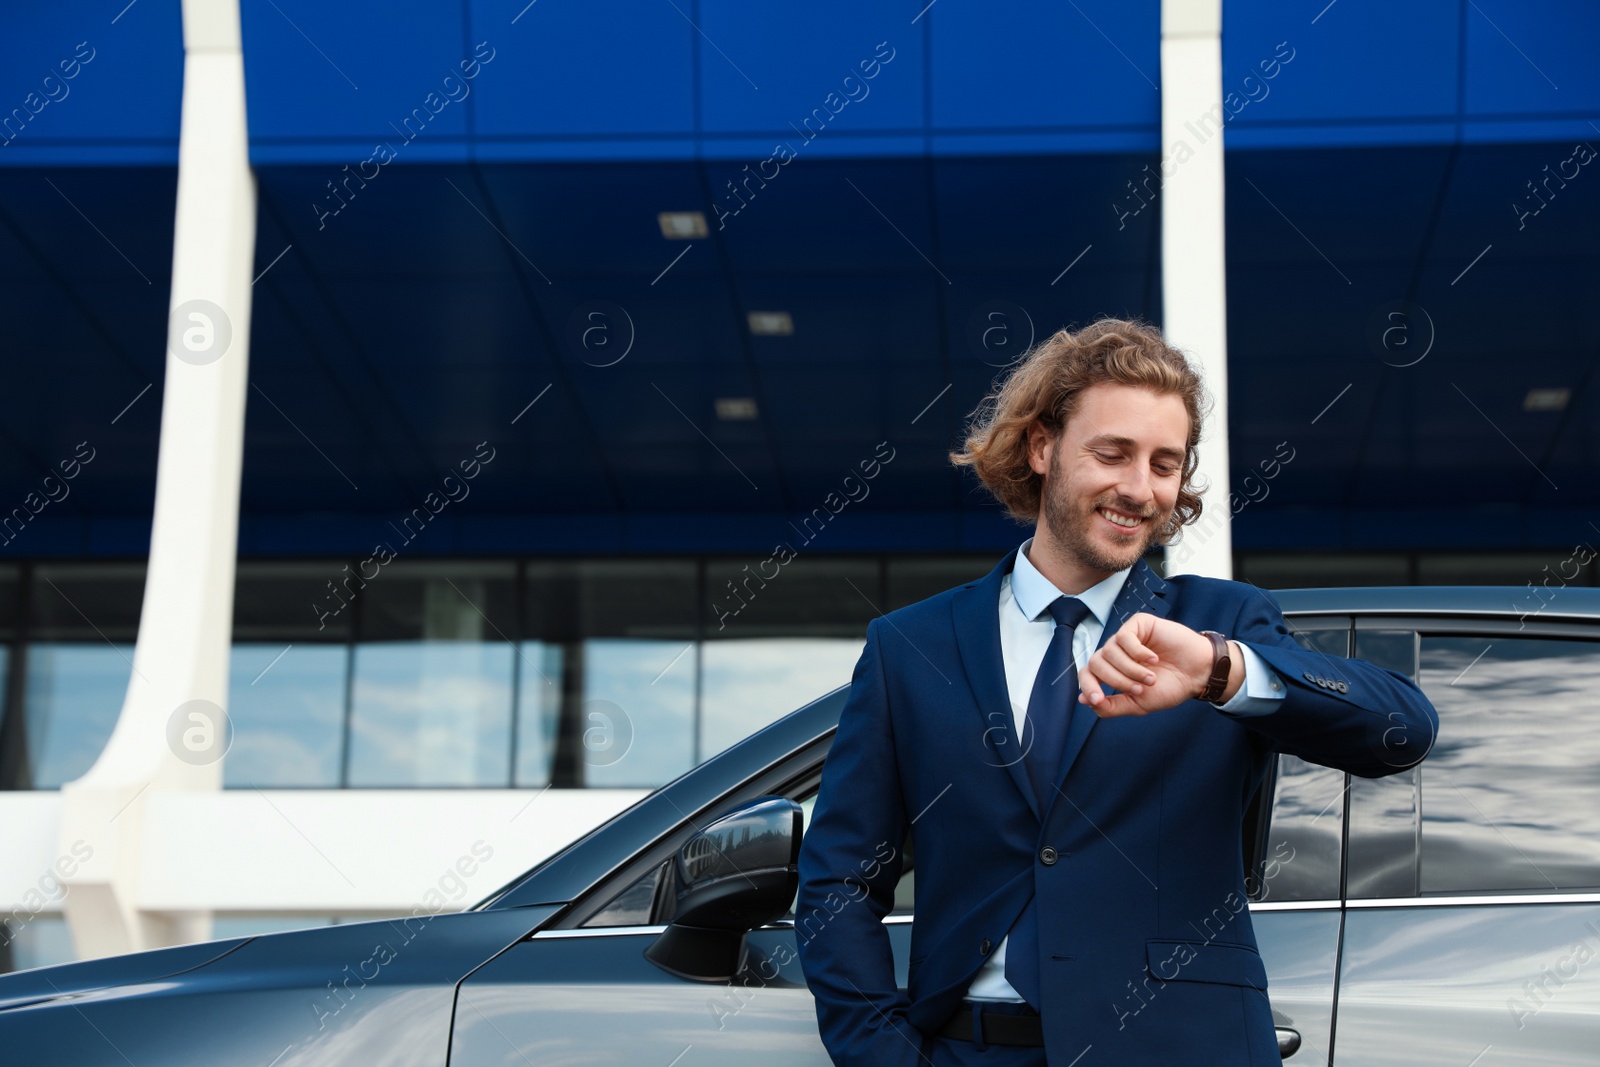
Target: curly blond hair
(1043,389)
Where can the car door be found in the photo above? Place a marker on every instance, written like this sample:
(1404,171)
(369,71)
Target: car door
(586,994)
(1472,930)
(590,997)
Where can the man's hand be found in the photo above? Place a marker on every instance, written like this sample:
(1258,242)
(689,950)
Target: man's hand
(1153,663)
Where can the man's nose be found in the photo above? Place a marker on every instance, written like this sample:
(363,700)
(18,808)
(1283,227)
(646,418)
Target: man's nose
(1137,486)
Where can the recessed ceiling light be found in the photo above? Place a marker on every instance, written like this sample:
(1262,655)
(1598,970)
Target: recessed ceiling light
(1552,399)
(682,225)
(771,323)
(736,408)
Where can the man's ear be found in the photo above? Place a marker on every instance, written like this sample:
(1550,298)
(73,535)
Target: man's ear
(1040,447)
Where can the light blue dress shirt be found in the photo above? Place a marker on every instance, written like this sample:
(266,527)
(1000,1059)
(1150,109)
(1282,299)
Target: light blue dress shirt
(1025,631)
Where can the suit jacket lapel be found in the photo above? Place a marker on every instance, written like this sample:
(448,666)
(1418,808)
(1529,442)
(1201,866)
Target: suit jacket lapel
(1144,590)
(976,611)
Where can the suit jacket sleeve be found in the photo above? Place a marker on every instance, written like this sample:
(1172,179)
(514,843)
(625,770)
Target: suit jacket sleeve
(850,861)
(1368,721)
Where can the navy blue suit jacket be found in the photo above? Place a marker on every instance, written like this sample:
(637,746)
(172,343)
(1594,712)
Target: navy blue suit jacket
(1147,894)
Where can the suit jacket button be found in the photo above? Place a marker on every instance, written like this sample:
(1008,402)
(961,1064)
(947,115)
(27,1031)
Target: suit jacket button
(1047,856)
(1310,677)
(985,947)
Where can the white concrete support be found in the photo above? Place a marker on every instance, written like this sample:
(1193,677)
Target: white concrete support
(1193,265)
(296,855)
(172,732)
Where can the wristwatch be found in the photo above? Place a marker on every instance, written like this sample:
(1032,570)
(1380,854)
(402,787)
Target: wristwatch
(1221,664)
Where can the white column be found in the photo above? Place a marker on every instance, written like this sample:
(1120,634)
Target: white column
(1193,278)
(172,730)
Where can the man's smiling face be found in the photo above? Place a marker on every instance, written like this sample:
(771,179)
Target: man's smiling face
(1111,478)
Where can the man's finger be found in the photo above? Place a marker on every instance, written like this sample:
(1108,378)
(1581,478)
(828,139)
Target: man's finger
(1100,670)
(1130,643)
(1130,667)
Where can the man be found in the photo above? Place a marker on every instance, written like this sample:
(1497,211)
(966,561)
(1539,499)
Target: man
(1070,850)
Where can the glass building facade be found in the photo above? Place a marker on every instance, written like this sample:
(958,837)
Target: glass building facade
(463,673)
(508,672)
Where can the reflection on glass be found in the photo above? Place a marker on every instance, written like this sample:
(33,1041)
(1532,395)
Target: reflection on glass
(431,685)
(1384,826)
(747,684)
(74,694)
(42,941)
(632,906)
(538,711)
(1306,830)
(1385,819)
(637,720)
(1301,860)
(1511,791)
(431,713)
(287,709)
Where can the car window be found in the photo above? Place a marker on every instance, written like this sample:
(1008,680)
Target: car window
(635,905)
(1300,856)
(1300,860)
(1385,813)
(1510,795)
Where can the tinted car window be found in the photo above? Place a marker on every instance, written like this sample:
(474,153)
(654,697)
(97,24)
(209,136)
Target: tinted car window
(635,904)
(1300,857)
(1384,812)
(1511,792)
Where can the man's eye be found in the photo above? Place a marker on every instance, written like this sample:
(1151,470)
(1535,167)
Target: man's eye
(1109,457)
(1166,469)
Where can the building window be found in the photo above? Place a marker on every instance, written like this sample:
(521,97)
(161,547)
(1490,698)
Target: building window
(39,941)
(622,711)
(540,671)
(747,684)
(603,673)
(433,676)
(287,707)
(74,695)
(288,679)
(637,719)
(81,621)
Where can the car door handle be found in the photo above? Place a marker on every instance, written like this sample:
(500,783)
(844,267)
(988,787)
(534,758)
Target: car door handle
(1288,1042)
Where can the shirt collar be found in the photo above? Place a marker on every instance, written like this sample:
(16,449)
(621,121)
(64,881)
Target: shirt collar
(1034,593)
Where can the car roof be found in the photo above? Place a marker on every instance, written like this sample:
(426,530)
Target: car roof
(1544,602)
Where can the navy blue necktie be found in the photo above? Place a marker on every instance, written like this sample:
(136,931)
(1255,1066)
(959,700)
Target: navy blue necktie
(1050,709)
(1054,698)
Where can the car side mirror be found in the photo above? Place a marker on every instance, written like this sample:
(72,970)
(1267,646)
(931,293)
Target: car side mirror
(738,874)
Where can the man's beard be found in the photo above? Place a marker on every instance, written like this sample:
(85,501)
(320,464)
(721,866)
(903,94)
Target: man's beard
(1070,529)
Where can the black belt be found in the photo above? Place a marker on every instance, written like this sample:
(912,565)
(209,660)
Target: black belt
(999,1028)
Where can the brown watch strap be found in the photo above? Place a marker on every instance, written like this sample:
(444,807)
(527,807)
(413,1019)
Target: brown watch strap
(1221,663)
